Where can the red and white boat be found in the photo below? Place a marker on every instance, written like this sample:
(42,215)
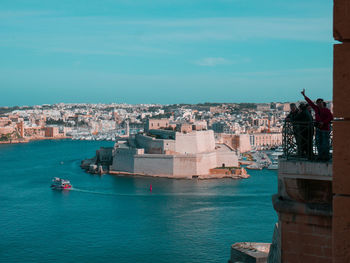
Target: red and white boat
(60,184)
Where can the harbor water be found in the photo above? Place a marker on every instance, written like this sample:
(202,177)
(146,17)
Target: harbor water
(117,219)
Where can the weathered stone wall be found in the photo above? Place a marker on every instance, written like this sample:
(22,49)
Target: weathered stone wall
(341,20)
(123,160)
(185,165)
(152,145)
(205,162)
(304,206)
(239,142)
(104,154)
(306,238)
(195,142)
(275,248)
(226,158)
(153,164)
(244,143)
(341,127)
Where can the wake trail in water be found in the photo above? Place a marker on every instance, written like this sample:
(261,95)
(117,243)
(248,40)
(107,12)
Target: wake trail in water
(93,192)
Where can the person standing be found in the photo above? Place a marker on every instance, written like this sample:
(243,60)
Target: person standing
(291,126)
(293,112)
(305,131)
(323,118)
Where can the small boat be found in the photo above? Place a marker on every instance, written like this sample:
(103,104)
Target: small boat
(60,184)
(254,166)
(273,166)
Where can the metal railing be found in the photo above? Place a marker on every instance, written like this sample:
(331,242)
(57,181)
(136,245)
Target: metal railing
(304,140)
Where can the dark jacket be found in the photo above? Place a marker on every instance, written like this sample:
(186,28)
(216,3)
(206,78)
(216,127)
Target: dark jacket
(303,116)
(292,115)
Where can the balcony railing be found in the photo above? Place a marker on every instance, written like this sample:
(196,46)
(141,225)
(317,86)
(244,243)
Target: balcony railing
(303,140)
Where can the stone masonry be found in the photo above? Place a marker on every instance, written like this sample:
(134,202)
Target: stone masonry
(341,156)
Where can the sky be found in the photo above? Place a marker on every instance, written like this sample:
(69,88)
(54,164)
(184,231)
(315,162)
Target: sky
(164,51)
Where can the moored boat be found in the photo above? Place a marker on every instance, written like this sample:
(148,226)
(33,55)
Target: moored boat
(254,166)
(60,184)
(273,166)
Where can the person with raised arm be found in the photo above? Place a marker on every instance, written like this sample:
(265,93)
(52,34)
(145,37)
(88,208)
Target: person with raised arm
(323,118)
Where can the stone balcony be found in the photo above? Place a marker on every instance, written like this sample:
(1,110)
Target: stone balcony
(305,181)
(304,207)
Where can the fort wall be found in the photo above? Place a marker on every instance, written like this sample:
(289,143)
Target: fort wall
(153,164)
(195,142)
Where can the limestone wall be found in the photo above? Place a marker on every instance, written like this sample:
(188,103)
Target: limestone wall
(195,142)
(153,164)
(205,162)
(227,158)
(185,165)
(104,154)
(244,143)
(123,160)
(155,146)
(150,144)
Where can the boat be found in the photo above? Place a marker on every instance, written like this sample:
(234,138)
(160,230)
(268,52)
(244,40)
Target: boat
(60,184)
(254,166)
(273,166)
(279,151)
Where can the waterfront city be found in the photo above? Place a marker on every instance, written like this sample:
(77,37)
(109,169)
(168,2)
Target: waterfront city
(259,122)
(174,131)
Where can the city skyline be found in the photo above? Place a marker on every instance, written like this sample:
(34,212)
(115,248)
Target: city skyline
(167,53)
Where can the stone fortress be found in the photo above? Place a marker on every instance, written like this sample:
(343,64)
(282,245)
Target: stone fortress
(169,150)
(172,153)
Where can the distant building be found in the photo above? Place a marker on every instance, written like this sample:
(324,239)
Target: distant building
(199,125)
(265,140)
(216,110)
(283,107)
(51,132)
(261,122)
(221,127)
(184,127)
(239,142)
(20,127)
(263,107)
(152,124)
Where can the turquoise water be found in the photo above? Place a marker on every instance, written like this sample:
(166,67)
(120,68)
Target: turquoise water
(116,219)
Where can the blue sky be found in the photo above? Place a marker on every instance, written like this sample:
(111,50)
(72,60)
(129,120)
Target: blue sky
(164,51)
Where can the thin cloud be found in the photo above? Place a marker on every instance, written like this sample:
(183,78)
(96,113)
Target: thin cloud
(212,62)
(16,14)
(234,29)
(84,51)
